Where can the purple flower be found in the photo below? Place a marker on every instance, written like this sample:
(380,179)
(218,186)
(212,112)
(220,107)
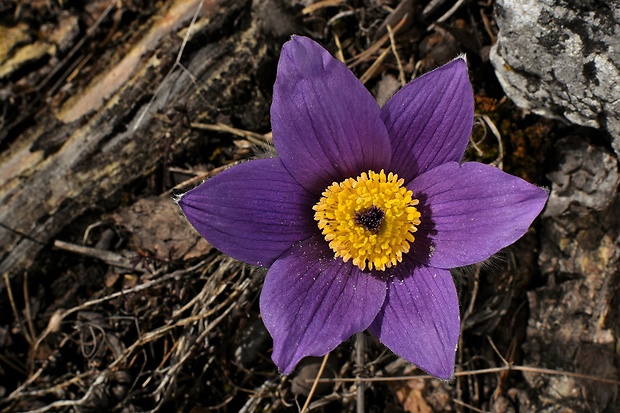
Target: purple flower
(364,212)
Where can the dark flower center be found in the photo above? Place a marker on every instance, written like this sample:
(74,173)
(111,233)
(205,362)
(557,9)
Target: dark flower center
(370,218)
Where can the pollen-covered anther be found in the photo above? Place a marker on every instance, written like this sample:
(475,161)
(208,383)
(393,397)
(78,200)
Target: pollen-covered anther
(370,219)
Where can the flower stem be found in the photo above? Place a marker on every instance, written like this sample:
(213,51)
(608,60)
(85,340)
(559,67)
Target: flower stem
(360,350)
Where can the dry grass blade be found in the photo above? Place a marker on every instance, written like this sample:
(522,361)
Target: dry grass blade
(89,33)
(320,5)
(174,67)
(375,47)
(111,258)
(492,370)
(401,71)
(469,406)
(255,138)
(487,124)
(315,383)
(9,291)
(375,67)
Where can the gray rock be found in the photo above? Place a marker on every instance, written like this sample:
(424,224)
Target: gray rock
(574,317)
(586,175)
(561,59)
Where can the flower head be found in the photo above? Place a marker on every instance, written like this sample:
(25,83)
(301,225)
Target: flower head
(364,212)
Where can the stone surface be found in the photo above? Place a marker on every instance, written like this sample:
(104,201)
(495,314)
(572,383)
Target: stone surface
(586,175)
(573,324)
(561,59)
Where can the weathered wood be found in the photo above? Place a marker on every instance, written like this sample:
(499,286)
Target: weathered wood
(76,154)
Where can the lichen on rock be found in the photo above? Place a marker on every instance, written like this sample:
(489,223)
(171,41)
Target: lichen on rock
(561,59)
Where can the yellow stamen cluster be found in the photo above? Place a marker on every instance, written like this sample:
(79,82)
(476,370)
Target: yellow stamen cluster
(343,210)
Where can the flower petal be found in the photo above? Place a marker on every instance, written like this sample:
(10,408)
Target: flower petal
(326,125)
(430,120)
(469,212)
(253,212)
(420,318)
(312,302)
